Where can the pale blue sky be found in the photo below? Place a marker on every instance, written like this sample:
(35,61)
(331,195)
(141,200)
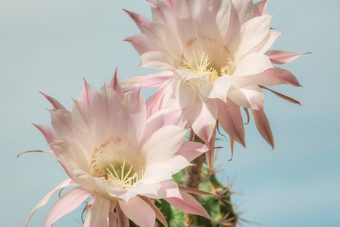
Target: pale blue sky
(52,45)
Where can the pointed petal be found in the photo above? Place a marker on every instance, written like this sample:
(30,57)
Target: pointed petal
(188,204)
(159,214)
(53,101)
(140,20)
(271,77)
(99,213)
(260,8)
(138,211)
(205,119)
(282,57)
(192,150)
(62,122)
(47,197)
(47,132)
(115,83)
(155,102)
(262,125)
(141,43)
(70,201)
(248,97)
(87,94)
(230,118)
(285,97)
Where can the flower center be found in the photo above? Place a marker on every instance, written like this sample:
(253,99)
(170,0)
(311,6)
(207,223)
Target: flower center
(204,66)
(116,162)
(206,59)
(122,173)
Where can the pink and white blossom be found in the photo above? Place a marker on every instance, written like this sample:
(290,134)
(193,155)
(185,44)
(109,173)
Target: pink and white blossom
(215,59)
(120,154)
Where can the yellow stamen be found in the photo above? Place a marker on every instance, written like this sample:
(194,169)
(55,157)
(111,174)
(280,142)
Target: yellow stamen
(204,66)
(108,164)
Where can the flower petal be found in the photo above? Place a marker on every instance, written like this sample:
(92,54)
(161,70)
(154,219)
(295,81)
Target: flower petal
(253,32)
(46,198)
(162,118)
(282,57)
(141,43)
(229,115)
(70,201)
(159,214)
(277,76)
(98,215)
(228,22)
(218,89)
(169,189)
(140,20)
(253,64)
(53,101)
(154,59)
(188,204)
(87,94)
(138,211)
(262,125)
(115,84)
(163,171)
(260,8)
(285,97)
(47,132)
(205,119)
(155,102)
(151,80)
(248,97)
(172,138)
(192,150)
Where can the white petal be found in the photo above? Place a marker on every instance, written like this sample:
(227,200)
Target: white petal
(164,143)
(253,32)
(218,89)
(253,64)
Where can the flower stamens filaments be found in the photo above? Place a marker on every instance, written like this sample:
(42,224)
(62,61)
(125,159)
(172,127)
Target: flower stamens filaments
(109,162)
(204,66)
(123,174)
(200,65)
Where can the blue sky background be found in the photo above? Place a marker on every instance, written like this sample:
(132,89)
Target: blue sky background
(52,45)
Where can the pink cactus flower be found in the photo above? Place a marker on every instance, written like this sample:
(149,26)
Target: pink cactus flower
(120,154)
(215,59)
